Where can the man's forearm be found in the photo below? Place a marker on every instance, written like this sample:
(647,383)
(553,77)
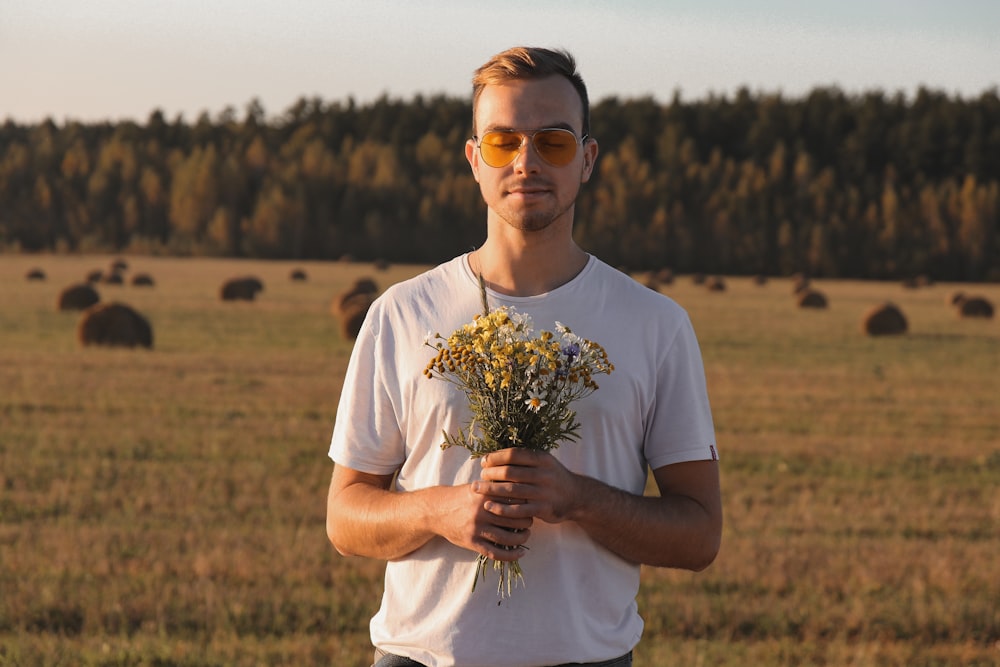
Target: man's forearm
(669,531)
(363,520)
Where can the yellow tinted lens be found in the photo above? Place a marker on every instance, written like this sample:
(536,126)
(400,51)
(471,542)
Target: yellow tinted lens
(557,147)
(500,148)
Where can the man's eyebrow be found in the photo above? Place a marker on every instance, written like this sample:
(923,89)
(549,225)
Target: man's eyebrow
(508,128)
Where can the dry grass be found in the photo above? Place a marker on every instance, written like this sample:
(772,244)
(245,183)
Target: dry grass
(166,507)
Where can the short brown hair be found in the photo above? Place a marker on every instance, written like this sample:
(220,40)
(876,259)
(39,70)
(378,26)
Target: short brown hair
(527,62)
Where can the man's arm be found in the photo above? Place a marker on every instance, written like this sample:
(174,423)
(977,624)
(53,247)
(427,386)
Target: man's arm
(365,518)
(681,528)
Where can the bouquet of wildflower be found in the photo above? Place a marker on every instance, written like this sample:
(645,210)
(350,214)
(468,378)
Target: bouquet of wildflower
(519,385)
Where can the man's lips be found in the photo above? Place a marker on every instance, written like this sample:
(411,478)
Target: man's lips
(527,190)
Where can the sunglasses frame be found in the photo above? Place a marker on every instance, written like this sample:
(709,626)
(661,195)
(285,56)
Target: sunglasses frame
(529,137)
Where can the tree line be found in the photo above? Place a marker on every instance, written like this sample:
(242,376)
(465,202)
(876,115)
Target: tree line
(871,185)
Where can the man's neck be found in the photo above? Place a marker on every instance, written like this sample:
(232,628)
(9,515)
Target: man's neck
(525,266)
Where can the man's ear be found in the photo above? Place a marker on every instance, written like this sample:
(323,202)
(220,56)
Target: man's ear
(590,151)
(472,155)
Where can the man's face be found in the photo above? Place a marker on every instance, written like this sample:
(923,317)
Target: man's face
(530,194)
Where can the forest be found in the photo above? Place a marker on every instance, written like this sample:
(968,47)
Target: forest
(870,186)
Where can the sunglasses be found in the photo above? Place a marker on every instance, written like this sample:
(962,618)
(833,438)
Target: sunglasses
(553,144)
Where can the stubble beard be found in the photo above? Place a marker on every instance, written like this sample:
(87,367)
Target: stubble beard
(530,222)
(534,220)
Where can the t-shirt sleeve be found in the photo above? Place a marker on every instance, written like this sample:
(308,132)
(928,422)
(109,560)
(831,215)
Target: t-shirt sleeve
(366,433)
(681,426)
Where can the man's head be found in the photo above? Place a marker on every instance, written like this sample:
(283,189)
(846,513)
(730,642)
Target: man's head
(527,63)
(531,151)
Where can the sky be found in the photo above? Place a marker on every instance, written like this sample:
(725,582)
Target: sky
(97,60)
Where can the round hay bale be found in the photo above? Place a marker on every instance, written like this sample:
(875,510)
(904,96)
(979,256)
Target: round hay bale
(298,275)
(78,297)
(35,274)
(364,288)
(142,280)
(800,283)
(716,284)
(352,315)
(811,298)
(114,325)
(884,320)
(113,278)
(975,306)
(664,276)
(917,281)
(241,289)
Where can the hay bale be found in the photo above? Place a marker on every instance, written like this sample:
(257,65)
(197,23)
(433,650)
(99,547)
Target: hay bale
(78,297)
(114,325)
(298,275)
(716,284)
(364,290)
(975,307)
(664,276)
(142,280)
(917,282)
(884,320)
(241,289)
(352,315)
(351,306)
(35,274)
(113,278)
(811,298)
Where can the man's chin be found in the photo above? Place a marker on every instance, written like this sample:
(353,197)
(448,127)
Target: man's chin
(530,223)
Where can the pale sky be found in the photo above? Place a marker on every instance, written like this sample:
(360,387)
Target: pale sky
(92,60)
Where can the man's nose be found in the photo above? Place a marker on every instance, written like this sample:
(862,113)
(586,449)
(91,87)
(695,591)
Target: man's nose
(527,158)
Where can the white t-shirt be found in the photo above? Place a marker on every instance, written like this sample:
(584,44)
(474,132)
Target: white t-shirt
(578,599)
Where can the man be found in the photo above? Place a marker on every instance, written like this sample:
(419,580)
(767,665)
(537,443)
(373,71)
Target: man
(576,518)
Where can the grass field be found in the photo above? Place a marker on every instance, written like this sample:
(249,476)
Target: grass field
(166,507)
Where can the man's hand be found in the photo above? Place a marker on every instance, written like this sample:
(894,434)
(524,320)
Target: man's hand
(486,526)
(365,518)
(682,527)
(520,482)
